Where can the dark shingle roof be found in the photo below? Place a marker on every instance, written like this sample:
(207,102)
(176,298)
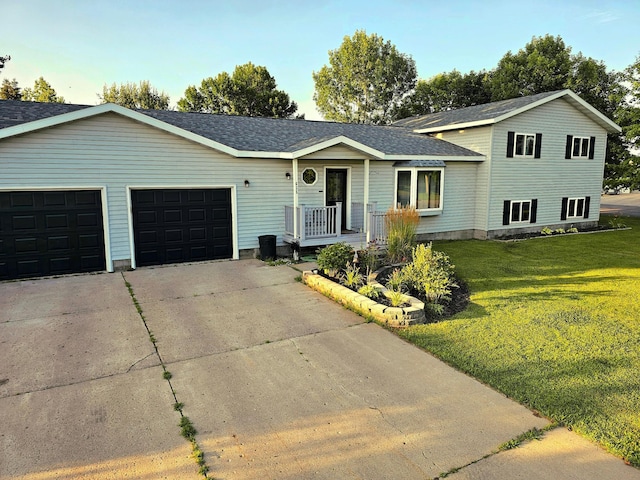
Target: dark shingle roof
(477,113)
(256,134)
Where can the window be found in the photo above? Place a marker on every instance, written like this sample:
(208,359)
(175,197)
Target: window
(575,208)
(580,147)
(420,188)
(519,211)
(524,144)
(309,176)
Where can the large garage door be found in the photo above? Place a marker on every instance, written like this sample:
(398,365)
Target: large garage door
(173,226)
(50,233)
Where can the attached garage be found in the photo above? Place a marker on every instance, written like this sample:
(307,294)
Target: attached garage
(50,233)
(181,225)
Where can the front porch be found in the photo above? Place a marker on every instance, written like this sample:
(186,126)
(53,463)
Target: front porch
(310,226)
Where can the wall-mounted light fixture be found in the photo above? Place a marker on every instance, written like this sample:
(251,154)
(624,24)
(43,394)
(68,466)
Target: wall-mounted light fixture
(247,183)
(288,175)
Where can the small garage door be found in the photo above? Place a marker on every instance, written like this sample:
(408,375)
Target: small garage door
(174,226)
(50,233)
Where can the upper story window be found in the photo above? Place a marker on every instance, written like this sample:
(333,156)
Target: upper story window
(580,147)
(524,144)
(420,188)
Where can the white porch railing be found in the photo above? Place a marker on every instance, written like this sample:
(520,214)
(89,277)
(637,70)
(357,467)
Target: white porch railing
(314,222)
(325,222)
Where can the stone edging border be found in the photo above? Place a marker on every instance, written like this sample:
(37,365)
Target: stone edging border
(393,316)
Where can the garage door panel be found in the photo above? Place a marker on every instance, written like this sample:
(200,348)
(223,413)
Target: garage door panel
(183,227)
(50,233)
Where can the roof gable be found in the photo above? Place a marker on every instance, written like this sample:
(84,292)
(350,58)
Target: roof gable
(495,112)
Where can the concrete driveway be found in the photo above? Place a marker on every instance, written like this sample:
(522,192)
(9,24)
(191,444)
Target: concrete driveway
(279,382)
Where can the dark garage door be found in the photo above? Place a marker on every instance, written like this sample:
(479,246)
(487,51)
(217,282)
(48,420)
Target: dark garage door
(174,226)
(50,233)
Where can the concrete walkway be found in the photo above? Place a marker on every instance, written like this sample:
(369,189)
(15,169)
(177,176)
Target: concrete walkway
(279,381)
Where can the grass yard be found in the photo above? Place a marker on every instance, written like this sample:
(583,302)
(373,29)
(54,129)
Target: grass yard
(553,323)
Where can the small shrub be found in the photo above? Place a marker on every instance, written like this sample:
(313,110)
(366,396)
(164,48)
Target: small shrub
(616,223)
(546,231)
(395,280)
(370,259)
(560,231)
(369,291)
(333,258)
(572,230)
(351,277)
(401,224)
(396,297)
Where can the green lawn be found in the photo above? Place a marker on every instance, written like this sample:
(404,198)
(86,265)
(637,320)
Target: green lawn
(553,323)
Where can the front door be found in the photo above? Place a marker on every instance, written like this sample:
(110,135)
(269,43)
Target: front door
(337,190)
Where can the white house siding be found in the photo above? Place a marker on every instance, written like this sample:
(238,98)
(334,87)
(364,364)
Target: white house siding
(115,152)
(477,139)
(551,177)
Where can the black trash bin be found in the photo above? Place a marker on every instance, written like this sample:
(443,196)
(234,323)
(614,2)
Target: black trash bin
(267,247)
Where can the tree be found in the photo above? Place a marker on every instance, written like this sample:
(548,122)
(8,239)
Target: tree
(10,90)
(543,65)
(135,96)
(249,91)
(446,91)
(42,91)
(367,80)
(4,60)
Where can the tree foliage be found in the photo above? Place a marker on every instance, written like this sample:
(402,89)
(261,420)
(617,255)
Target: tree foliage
(366,81)
(9,90)
(136,96)
(447,91)
(42,91)
(4,60)
(249,91)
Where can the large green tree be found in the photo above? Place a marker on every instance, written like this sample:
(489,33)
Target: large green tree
(366,81)
(42,91)
(131,95)
(249,91)
(447,91)
(9,90)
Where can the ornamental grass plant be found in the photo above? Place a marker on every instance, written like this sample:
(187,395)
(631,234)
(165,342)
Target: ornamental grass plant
(401,225)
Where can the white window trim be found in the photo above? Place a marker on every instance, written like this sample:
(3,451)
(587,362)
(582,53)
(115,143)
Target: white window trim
(515,142)
(573,214)
(573,140)
(528,220)
(413,200)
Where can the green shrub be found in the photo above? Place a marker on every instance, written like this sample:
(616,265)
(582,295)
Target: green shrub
(560,230)
(395,280)
(351,277)
(572,230)
(369,291)
(396,297)
(546,231)
(370,259)
(430,274)
(334,258)
(401,224)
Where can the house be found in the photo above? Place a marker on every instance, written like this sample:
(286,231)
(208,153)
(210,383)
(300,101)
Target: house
(94,188)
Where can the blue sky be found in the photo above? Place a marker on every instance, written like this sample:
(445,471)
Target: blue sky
(78,46)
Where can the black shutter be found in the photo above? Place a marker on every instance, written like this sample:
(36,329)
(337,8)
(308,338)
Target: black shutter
(565,205)
(592,144)
(567,150)
(511,136)
(534,210)
(506,212)
(587,200)
(538,145)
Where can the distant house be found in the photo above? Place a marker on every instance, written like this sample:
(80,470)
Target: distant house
(90,188)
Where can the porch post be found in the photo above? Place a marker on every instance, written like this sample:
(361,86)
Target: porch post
(296,218)
(365,220)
